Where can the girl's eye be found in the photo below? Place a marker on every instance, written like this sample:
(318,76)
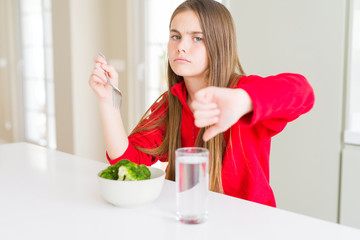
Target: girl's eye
(175,37)
(198,39)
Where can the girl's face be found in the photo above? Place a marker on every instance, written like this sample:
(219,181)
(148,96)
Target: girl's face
(186,47)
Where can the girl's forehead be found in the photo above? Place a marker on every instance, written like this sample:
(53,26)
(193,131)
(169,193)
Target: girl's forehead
(186,21)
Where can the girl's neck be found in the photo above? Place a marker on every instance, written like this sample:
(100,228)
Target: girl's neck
(192,86)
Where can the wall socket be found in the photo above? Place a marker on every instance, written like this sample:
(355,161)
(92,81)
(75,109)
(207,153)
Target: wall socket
(3,63)
(8,125)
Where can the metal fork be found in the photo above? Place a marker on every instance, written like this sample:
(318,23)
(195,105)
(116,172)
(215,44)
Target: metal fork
(116,93)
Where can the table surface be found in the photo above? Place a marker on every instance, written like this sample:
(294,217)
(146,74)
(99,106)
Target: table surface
(47,194)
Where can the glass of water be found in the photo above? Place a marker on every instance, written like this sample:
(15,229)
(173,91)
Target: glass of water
(192,184)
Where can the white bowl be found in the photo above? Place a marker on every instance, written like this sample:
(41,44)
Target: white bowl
(132,193)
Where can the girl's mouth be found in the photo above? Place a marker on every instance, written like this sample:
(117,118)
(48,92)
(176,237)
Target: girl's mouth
(181,60)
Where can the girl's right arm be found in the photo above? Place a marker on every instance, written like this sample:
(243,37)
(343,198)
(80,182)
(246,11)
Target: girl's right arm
(116,139)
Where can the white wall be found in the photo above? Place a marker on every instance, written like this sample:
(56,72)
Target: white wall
(82,28)
(350,191)
(63,76)
(8,74)
(88,36)
(306,37)
(5,111)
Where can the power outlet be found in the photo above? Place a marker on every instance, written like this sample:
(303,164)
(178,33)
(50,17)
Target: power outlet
(8,125)
(3,63)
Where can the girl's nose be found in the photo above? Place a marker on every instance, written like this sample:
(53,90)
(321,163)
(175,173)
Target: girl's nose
(182,46)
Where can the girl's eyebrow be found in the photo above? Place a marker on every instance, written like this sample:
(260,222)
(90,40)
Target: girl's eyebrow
(191,32)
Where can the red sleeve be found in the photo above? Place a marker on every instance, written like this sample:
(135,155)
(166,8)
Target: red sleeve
(277,100)
(148,139)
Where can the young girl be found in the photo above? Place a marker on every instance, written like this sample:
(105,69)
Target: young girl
(210,103)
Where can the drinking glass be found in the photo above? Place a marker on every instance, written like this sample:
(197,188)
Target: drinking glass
(192,184)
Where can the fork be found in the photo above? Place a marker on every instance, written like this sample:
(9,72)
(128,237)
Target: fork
(116,93)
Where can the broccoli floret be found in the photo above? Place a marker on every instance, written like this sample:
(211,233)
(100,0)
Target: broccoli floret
(124,170)
(132,172)
(144,172)
(110,173)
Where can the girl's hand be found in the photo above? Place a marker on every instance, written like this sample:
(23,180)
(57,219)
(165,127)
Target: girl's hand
(98,81)
(219,108)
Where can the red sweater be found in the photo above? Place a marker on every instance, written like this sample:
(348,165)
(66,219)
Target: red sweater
(277,100)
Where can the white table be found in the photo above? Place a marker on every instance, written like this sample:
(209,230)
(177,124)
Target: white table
(46,194)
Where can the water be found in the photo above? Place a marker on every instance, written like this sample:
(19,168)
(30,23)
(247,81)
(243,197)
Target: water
(192,184)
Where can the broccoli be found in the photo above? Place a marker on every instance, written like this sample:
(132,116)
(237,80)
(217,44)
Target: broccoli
(110,173)
(125,170)
(132,172)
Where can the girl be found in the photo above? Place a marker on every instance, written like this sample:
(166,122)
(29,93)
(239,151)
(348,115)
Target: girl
(211,103)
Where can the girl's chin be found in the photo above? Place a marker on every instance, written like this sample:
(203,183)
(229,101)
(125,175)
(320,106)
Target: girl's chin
(183,73)
(190,75)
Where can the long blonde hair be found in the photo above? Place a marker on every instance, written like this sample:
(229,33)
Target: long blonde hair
(220,41)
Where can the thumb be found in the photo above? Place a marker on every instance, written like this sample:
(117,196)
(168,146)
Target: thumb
(211,132)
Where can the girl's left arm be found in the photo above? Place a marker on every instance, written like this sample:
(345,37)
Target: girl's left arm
(269,102)
(277,100)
